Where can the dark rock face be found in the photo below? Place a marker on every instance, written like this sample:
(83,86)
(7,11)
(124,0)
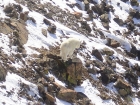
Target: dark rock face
(119,21)
(97,54)
(84,25)
(47,22)
(3,74)
(132,78)
(138,52)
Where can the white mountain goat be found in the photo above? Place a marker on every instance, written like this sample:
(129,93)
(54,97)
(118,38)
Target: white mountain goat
(68,46)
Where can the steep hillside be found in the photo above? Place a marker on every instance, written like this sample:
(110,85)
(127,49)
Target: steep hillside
(105,69)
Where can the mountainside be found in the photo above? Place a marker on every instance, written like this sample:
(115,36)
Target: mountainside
(105,70)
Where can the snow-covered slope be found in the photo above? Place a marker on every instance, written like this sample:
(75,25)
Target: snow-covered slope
(21,83)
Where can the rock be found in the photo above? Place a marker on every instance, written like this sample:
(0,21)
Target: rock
(44,32)
(114,44)
(52,29)
(18,7)
(88,62)
(122,92)
(86,26)
(8,9)
(97,9)
(134,2)
(78,15)
(49,15)
(105,25)
(138,94)
(97,54)
(119,21)
(50,98)
(47,22)
(24,16)
(104,17)
(133,50)
(132,78)
(105,74)
(67,95)
(124,88)
(130,26)
(86,5)
(74,71)
(107,51)
(138,52)
(3,74)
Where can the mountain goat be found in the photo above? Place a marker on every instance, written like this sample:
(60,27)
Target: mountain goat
(68,46)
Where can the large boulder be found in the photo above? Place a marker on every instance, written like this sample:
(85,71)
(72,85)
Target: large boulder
(67,95)
(123,87)
(97,54)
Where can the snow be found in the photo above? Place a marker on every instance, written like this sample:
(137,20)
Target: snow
(38,40)
(92,93)
(4,43)
(12,85)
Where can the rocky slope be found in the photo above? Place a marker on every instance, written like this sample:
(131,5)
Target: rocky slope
(104,71)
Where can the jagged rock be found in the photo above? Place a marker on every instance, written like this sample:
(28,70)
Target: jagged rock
(107,51)
(86,26)
(52,29)
(105,25)
(130,26)
(49,15)
(24,16)
(18,7)
(118,21)
(8,9)
(108,60)
(44,32)
(50,98)
(112,43)
(3,74)
(78,15)
(133,50)
(97,54)
(124,88)
(74,71)
(134,2)
(97,9)
(104,18)
(134,13)
(67,95)
(105,75)
(138,94)
(47,22)
(92,70)
(132,78)
(138,52)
